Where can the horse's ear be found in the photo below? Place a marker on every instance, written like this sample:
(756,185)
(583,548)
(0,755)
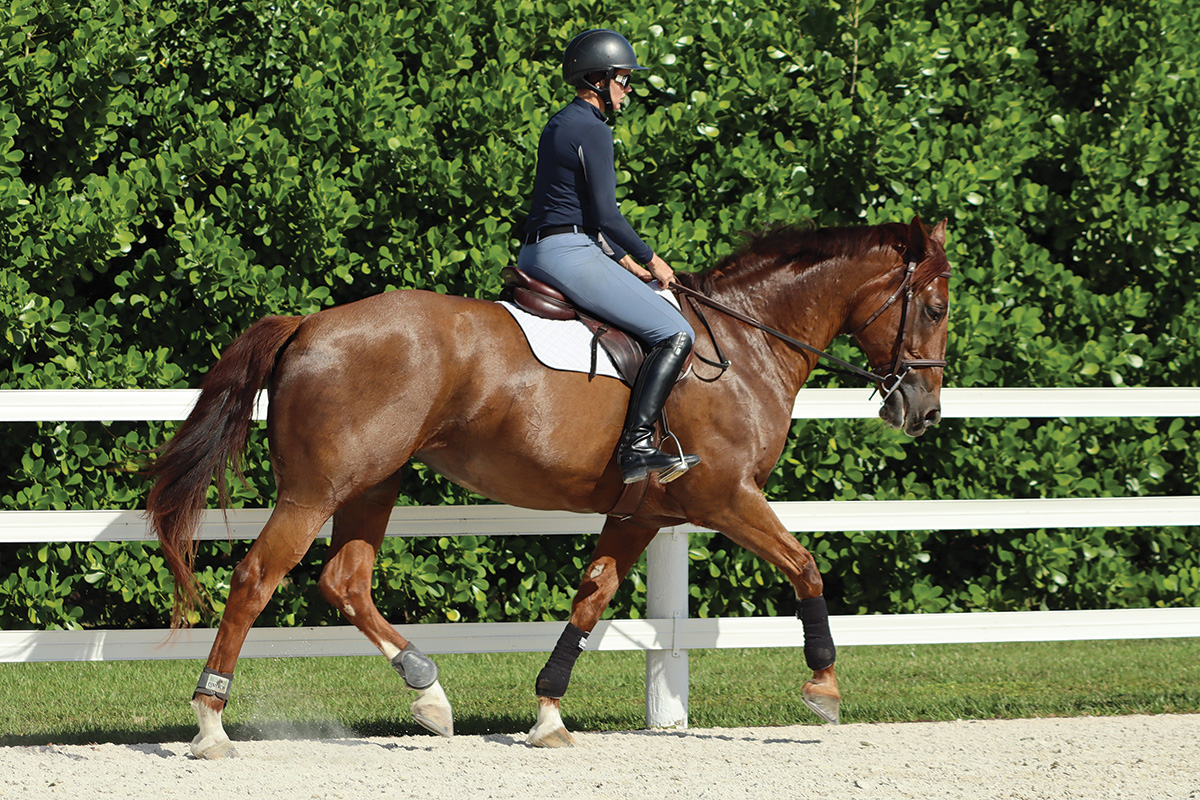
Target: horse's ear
(916,239)
(918,236)
(938,234)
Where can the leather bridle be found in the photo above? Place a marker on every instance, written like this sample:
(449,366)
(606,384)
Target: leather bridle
(901,366)
(887,383)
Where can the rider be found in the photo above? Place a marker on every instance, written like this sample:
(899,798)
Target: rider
(578,241)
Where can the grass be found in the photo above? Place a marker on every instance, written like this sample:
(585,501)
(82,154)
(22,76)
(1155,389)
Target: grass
(146,701)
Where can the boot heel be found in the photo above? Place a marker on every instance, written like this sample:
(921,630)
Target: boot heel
(637,475)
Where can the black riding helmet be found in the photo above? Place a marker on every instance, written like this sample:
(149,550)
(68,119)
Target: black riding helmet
(597,50)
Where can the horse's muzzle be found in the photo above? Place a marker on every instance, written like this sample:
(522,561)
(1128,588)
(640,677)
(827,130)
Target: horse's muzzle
(911,409)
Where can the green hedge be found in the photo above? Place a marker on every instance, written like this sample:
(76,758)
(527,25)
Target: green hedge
(171,171)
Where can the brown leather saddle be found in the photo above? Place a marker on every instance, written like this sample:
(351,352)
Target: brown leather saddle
(543,300)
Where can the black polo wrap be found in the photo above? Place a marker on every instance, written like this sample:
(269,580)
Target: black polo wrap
(552,681)
(819,650)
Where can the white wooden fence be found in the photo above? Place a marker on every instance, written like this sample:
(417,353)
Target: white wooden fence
(667,633)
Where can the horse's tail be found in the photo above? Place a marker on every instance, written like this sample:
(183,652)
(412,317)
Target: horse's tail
(213,434)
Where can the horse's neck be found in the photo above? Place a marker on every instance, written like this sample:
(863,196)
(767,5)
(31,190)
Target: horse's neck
(805,303)
(811,303)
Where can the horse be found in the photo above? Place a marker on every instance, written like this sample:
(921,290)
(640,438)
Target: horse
(358,390)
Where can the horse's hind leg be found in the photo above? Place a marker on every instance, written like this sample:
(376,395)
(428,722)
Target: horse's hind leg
(358,531)
(283,542)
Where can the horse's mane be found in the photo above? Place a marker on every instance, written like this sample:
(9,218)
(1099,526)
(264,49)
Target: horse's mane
(804,246)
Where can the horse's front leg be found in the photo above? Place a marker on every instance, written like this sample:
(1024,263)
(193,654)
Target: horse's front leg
(748,520)
(617,550)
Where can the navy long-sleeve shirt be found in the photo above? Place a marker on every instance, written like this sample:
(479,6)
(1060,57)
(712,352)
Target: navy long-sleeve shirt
(576,180)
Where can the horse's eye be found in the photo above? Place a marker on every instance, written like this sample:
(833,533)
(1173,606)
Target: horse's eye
(935,313)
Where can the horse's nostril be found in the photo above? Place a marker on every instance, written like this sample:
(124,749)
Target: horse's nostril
(933,417)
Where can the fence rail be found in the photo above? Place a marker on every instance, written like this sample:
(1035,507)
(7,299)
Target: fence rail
(497,520)
(624,634)
(156,405)
(668,633)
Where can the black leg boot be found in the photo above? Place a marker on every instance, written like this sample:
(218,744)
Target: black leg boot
(637,456)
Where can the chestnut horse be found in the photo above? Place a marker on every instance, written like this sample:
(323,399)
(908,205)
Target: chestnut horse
(358,390)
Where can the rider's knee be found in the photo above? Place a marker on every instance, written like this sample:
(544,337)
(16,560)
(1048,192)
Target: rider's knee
(681,340)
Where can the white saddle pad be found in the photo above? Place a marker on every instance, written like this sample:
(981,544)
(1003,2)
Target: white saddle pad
(567,344)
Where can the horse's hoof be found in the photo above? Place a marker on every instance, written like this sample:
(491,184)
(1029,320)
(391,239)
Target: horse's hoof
(556,738)
(212,749)
(549,730)
(437,720)
(432,711)
(823,702)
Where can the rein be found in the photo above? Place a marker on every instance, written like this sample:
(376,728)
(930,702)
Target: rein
(890,382)
(725,363)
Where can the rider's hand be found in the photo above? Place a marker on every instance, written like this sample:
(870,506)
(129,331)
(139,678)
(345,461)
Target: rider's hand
(661,271)
(628,263)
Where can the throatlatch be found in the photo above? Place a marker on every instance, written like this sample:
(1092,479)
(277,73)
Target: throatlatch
(215,684)
(552,681)
(417,669)
(819,651)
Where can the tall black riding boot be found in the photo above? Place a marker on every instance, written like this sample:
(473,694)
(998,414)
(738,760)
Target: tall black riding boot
(637,456)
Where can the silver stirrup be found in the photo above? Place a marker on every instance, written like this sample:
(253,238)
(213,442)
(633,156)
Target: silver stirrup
(676,469)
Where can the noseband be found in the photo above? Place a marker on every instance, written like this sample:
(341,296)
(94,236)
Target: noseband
(887,383)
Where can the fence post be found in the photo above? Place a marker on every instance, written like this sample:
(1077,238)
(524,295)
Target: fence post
(667,598)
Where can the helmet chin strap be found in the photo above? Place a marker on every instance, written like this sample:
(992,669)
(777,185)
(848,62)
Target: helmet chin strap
(606,93)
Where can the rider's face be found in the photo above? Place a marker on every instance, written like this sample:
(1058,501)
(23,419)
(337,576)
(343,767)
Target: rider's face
(618,87)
